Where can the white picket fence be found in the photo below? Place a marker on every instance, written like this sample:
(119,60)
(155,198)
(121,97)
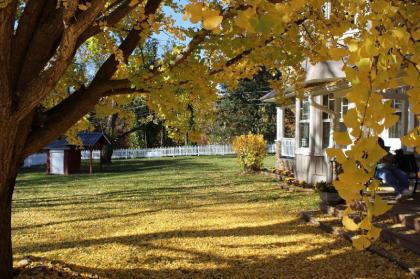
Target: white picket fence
(193,150)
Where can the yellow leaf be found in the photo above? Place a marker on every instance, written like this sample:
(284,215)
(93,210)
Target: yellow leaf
(373,233)
(353,45)
(212,22)
(243,19)
(297,4)
(379,207)
(360,242)
(390,120)
(336,153)
(349,224)
(342,138)
(337,53)
(374,185)
(195,11)
(412,76)
(366,223)
(412,139)
(351,118)
(364,64)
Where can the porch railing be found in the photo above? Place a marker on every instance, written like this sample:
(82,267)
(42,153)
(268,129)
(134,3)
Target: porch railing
(288,147)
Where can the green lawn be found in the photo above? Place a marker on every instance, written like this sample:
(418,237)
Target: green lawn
(185,217)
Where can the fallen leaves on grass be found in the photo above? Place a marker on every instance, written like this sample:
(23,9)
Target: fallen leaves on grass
(180,218)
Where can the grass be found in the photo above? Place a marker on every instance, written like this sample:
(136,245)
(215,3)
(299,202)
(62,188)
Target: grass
(185,217)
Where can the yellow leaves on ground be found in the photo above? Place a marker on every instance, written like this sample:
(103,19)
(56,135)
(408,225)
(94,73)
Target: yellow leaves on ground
(198,12)
(180,218)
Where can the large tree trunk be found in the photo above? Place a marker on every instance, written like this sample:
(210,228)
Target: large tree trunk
(6,260)
(107,151)
(9,158)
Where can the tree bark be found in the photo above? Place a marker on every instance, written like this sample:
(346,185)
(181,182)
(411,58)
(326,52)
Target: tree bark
(8,170)
(6,259)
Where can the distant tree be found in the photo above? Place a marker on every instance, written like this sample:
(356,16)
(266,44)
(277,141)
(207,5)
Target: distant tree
(241,112)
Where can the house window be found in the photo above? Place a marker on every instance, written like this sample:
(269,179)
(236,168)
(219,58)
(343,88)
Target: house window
(304,123)
(329,102)
(344,107)
(396,131)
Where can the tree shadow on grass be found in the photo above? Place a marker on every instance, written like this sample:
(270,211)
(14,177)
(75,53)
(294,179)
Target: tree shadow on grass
(282,228)
(316,261)
(144,194)
(206,201)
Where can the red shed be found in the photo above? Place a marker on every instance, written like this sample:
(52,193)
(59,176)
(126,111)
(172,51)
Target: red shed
(65,158)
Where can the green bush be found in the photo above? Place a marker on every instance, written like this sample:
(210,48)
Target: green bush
(251,150)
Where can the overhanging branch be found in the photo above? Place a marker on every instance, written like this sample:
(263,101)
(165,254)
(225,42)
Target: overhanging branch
(38,88)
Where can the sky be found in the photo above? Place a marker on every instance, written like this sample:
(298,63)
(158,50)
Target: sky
(164,38)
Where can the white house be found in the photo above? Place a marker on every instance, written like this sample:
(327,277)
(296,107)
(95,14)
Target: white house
(325,84)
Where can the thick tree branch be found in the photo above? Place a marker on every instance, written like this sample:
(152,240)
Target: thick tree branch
(24,33)
(82,101)
(7,16)
(107,70)
(61,117)
(38,88)
(42,46)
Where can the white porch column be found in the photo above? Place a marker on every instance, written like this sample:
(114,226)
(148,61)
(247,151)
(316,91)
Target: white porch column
(279,132)
(280,123)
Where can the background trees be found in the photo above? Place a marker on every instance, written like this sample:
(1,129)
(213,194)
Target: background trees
(240,111)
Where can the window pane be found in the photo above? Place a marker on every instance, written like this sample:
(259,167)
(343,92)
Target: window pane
(304,110)
(325,102)
(304,134)
(396,131)
(328,102)
(326,129)
(344,106)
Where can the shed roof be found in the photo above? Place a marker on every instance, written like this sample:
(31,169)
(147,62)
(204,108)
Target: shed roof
(89,140)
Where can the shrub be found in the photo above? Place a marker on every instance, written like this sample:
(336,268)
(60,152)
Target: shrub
(251,150)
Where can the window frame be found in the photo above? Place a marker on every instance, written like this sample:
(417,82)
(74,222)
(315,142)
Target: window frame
(304,121)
